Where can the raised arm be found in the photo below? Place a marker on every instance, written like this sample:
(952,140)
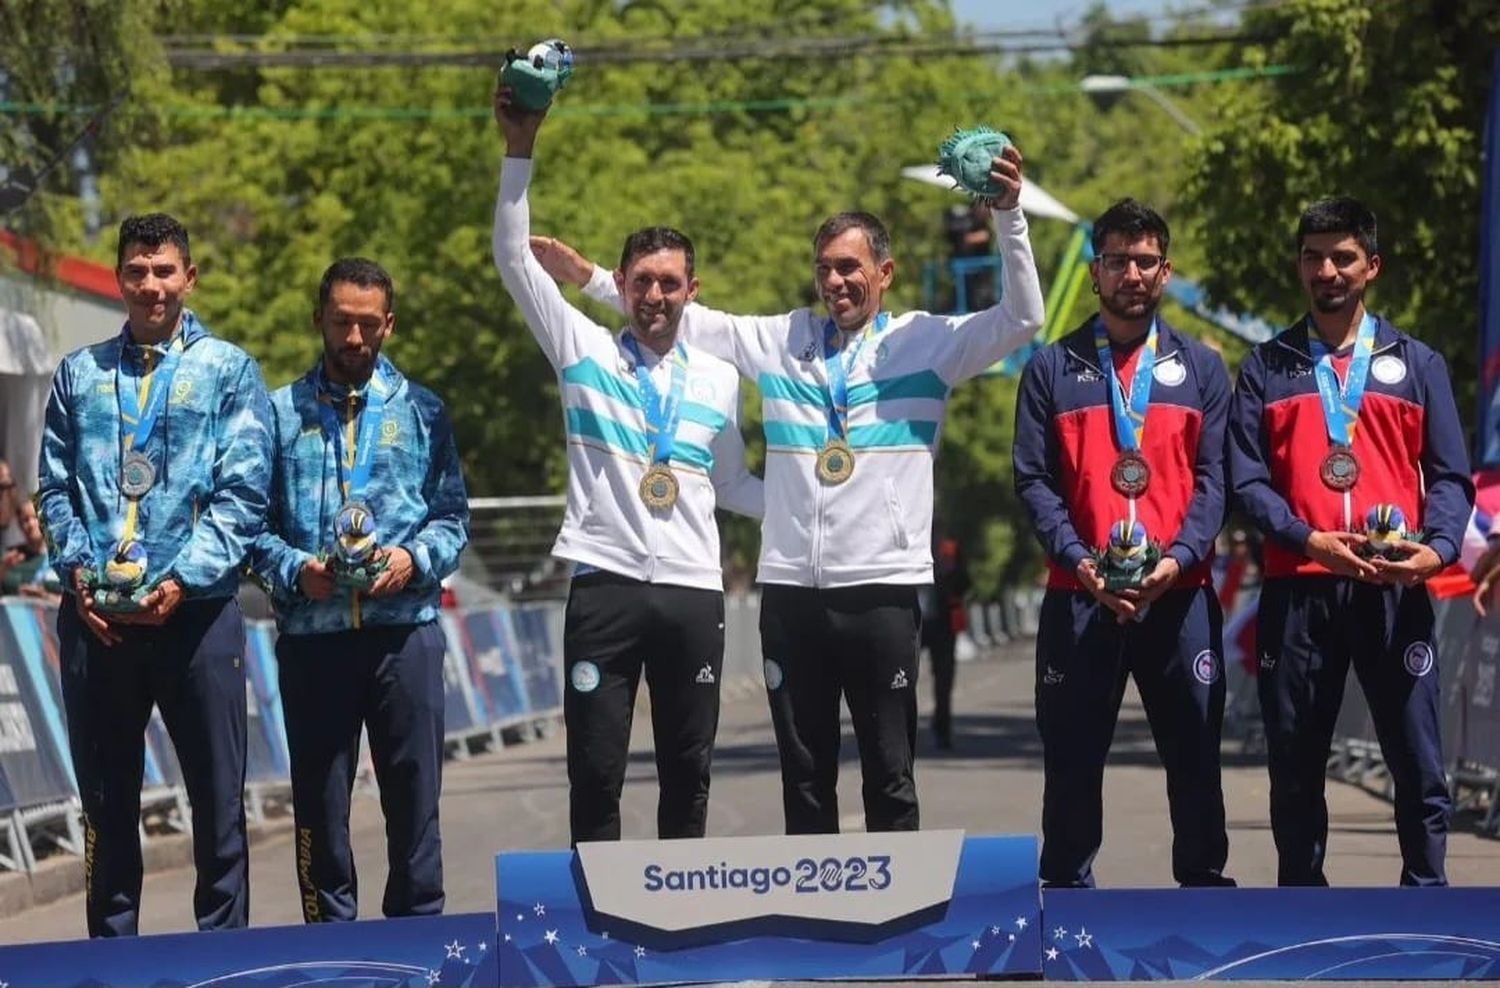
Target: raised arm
(977,341)
(555,324)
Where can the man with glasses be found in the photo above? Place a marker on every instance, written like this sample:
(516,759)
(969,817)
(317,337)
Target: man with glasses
(1341,425)
(1119,459)
(155,463)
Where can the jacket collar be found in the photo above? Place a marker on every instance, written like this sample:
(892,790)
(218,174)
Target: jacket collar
(1079,344)
(191,329)
(385,376)
(1295,337)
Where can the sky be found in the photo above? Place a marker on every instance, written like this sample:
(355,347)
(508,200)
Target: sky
(998,14)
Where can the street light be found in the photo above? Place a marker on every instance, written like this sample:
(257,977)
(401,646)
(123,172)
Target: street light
(1120,84)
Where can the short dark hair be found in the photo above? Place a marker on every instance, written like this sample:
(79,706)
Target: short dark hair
(839,223)
(651,239)
(152,230)
(1340,214)
(359,271)
(1132,220)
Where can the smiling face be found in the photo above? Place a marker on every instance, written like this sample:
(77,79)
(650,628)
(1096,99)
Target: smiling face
(656,287)
(1335,271)
(850,280)
(154,282)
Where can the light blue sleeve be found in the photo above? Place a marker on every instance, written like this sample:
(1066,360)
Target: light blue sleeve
(68,542)
(235,513)
(272,558)
(436,546)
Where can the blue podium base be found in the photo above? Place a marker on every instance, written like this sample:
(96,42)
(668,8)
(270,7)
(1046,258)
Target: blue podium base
(1447,934)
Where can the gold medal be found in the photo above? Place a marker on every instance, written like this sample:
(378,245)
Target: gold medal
(835,462)
(659,487)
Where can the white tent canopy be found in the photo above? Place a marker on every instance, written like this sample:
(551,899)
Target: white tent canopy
(1035,200)
(25,374)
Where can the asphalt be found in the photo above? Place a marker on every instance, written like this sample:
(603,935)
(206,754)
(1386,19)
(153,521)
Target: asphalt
(991,784)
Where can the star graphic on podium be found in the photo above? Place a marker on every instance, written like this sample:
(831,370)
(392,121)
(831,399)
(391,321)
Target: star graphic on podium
(582,950)
(1059,933)
(604,935)
(484,946)
(1084,937)
(995,930)
(640,951)
(1051,953)
(539,909)
(455,950)
(1020,922)
(974,944)
(433,977)
(507,940)
(551,936)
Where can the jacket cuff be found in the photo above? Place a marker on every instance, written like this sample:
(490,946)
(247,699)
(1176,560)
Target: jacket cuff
(1444,547)
(601,285)
(1186,558)
(1073,554)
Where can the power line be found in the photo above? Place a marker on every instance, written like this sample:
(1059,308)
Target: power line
(781,49)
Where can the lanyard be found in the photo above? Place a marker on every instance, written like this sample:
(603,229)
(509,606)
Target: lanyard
(662,412)
(839,369)
(140,402)
(354,443)
(1129,413)
(1341,404)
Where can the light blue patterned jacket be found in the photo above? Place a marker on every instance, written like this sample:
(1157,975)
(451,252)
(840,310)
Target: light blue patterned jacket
(211,449)
(416,492)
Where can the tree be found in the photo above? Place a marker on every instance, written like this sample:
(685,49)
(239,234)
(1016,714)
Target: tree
(1387,104)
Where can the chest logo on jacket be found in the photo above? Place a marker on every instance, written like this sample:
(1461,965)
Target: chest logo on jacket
(1169,372)
(390,433)
(1389,369)
(702,389)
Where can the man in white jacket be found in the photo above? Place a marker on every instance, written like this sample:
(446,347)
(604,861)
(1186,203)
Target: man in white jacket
(853,407)
(653,447)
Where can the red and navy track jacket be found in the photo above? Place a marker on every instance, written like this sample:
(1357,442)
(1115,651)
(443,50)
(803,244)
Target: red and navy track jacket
(1408,440)
(1065,449)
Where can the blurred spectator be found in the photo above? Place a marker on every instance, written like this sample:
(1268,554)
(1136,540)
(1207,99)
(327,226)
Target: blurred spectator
(943,617)
(969,235)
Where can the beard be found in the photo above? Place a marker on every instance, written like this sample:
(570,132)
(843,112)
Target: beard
(1128,308)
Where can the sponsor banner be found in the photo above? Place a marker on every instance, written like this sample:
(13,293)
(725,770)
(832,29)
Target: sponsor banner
(453,951)
(1365,934)
(857,906)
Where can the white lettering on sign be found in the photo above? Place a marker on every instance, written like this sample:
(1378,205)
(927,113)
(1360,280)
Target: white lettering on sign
(8,684)
(852,878)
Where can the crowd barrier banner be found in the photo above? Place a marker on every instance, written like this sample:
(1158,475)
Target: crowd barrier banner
(463,709)
(1363,934)
(1470,646)
(540,659)
(34,766)
(493,665)
(890,905)
(445,951)
(266,757)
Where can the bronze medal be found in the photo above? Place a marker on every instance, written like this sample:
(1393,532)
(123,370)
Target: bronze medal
(1130,475)
(835,462)
(1339,470)
(659,487)
(137,475)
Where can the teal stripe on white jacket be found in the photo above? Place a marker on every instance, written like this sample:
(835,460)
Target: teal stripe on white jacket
(606,524)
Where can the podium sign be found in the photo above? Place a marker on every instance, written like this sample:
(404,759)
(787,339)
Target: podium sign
(896,905)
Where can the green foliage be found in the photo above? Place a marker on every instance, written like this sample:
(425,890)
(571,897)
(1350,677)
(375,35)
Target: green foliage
(746,155)
(1388,106)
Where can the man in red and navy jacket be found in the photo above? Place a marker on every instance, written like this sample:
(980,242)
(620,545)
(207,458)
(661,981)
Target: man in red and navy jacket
(1340,414)
(1119,439)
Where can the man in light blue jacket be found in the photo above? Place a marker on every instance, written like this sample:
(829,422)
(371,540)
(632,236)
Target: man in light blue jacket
(368,514)
(154,468)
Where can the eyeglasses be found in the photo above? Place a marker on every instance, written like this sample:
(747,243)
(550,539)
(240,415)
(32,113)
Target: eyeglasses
(1117,263)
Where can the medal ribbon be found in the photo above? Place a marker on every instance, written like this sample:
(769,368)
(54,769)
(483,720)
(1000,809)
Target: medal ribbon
(141,403)
(354,439)
(839,369)
(1129,415)
(1341,404)
(663,412)
(354,442)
